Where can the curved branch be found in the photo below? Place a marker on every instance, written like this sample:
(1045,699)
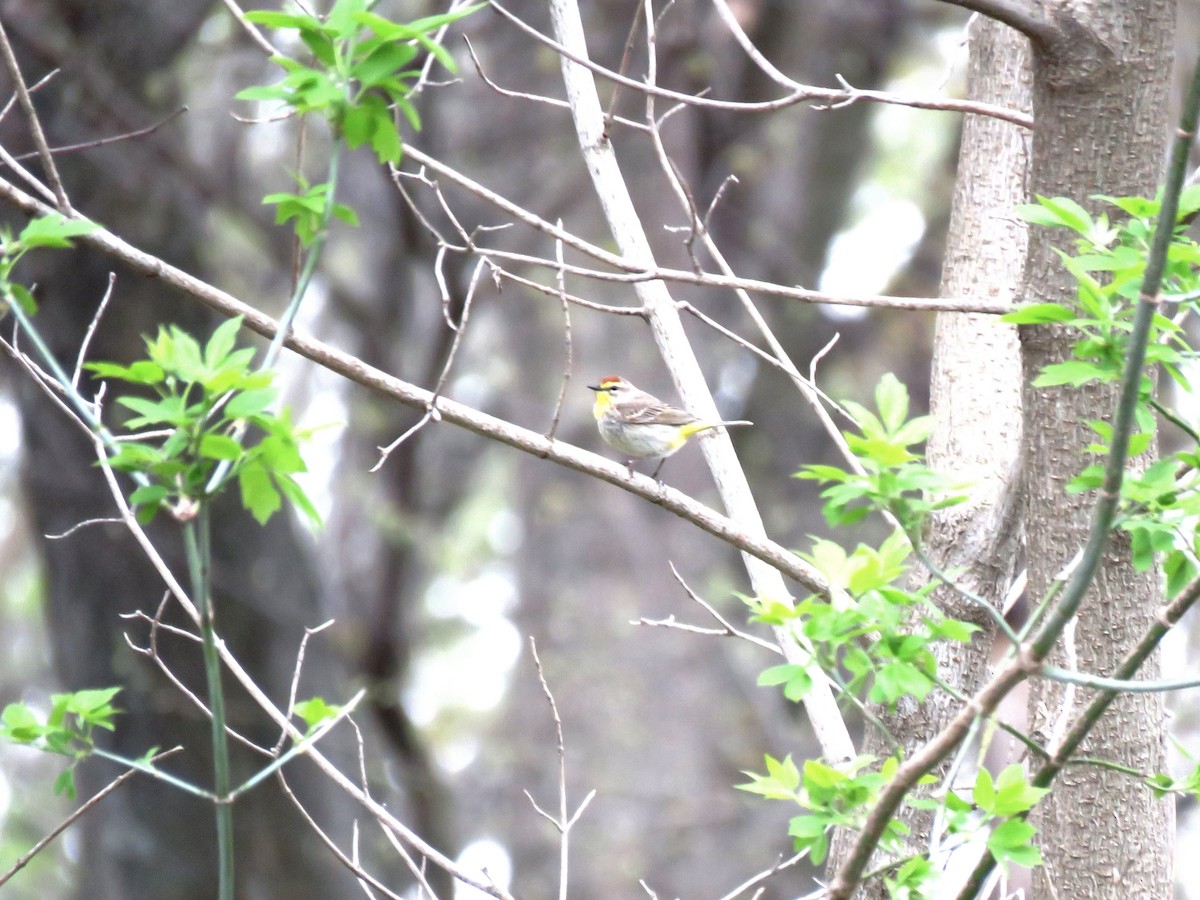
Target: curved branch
(1022,16)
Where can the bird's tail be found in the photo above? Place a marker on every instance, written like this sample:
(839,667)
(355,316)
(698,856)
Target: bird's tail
(697,427)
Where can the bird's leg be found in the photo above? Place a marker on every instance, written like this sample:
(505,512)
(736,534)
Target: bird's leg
(657,469)
(629,466)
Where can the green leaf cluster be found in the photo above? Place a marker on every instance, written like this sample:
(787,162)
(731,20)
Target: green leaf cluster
(309,209)
(67,730)
(1006,798)
(872,629)
(1160,506)
(894,476)
(361,72)
(831,797)
(205,401)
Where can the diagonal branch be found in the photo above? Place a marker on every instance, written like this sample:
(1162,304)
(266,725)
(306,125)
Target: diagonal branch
(667,327)
(535,443)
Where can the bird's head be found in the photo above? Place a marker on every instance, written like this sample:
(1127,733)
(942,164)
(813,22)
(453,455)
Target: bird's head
(610,388)
(612,384)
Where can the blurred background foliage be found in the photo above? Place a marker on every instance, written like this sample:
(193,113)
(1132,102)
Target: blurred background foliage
(438,567)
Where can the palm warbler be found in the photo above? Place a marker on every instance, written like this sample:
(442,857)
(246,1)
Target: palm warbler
(640,425)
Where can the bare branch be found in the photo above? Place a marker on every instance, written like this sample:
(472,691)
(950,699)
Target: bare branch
(251,29)
(359,372)
(353,865)
(677,353)
(803,94)
(1025,17)
(70,820)
(114,139)
(91,331)
(568,363)
(562,821)
(431,410)
(35,124)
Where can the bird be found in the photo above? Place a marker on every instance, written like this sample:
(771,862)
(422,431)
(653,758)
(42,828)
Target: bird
(640,425)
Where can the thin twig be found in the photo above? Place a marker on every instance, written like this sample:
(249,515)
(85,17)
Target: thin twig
(563,822)
(33,89)
(35,125)
(568,364)
(71,819)
(91,331)
(296,670)
(251,29)
(431,412)
(114,139)
(358,871)
(804,94)
(86,523)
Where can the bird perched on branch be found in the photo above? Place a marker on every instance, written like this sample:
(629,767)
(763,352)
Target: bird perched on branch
(640,425)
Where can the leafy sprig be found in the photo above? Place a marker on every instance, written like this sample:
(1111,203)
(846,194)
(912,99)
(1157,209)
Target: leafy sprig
(205,399)
(363,68)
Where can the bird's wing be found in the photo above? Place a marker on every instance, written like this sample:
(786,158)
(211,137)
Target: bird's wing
(656,414)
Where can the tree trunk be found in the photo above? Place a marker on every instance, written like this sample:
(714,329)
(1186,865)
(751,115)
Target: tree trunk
(1100,107)
(974,387)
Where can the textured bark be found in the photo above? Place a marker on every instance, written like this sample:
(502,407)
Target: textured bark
(975,388)
(1100,109)
(1099,106)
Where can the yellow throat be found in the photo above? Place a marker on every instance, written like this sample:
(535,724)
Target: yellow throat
(603,402)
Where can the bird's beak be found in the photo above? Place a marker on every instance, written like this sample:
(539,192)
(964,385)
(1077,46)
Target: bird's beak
(595,387)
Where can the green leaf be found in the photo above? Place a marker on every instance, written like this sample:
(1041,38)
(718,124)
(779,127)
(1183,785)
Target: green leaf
(985,790)
(141,372)
(955,630)
(795,679)
(64,784)
(315,711)
(1075,373)
(54,230)
(1010,842)
(809,833)
(914,431)
(1062,211)
(277,20)
(823,473)
(21,295)
(1038,313)
(891,398)
(149,495)
(249,403)
(294,493)
(346,214)
(383,63)
(1014,793)
(219,446)
(19,724)
(259,495)
(895,679)
(263,92)
(866,420)
(217,350)
(169,411)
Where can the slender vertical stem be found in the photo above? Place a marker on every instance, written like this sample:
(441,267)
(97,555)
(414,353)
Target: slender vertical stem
(197,541)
